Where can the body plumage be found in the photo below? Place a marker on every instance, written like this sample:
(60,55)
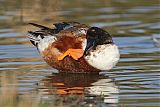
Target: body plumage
(86,49)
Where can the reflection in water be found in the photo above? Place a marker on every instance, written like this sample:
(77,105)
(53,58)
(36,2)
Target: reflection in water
(156,40)
(134,25)
(91,86)
(105,87)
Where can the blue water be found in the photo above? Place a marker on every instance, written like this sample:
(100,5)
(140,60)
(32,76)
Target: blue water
(133,82)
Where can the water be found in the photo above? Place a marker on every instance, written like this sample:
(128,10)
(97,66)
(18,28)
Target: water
(134,26)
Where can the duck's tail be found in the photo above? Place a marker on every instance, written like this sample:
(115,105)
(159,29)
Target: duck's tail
(36,36)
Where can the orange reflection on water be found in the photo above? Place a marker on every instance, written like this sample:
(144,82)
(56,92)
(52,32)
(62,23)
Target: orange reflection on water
(70,83)
(83,84)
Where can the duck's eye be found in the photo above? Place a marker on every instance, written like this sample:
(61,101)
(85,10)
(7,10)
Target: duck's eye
(93,30)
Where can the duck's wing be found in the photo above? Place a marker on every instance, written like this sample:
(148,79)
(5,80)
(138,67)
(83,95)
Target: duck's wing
(65,25)
(63,28)
(72,28)
(43,30)
(51,31)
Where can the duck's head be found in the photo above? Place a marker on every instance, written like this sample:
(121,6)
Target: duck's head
(96,36)
(100,51)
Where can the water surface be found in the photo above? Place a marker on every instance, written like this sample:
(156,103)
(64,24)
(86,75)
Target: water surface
(134,25)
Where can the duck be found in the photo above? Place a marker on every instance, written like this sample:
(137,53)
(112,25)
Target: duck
(75,47)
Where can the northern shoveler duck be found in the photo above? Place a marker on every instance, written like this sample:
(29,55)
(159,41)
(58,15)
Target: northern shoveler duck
(75,47)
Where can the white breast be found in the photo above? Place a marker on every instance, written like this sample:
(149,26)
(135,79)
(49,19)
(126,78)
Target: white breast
(104,57)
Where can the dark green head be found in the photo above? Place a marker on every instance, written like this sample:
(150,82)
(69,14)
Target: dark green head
(97,36)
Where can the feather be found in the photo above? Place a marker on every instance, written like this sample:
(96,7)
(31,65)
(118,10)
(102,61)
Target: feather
(40,26)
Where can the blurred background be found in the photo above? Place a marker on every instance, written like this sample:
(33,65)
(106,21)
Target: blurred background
(26,80)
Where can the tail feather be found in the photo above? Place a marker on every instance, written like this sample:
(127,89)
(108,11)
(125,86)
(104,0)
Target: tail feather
(33,37)
(45,29)
(40,26)
(37,33)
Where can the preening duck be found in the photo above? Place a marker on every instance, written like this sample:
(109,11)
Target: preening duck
(75,47)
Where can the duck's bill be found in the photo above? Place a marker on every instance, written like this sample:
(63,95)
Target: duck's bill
(90,45)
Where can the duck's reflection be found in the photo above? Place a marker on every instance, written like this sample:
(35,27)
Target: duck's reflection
(91,85)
